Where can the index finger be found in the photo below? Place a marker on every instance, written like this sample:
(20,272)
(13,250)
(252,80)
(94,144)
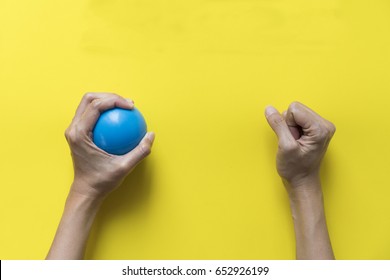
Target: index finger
(91,114)
(301,115)
(87,99)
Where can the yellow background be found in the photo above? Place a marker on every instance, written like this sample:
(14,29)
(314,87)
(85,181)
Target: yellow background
(201,72)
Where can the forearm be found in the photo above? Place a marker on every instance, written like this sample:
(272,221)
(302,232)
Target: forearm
(73,231)
(311,232)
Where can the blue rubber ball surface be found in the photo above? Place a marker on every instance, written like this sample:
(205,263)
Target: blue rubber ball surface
(118,131)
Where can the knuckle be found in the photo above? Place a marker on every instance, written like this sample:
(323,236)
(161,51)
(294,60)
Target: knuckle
(71,136)
(145,149)
(122,168)
(89,96)
(95,103)
(332,128)
(66,133)
(294,105)
(276,119)
(328,130)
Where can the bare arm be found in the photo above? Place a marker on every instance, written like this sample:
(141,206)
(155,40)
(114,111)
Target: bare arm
(96,174)
(303,140)
(311,232)
(73,231)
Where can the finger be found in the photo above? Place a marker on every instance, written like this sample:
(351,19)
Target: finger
(295,129)
(91,114)
(278,124)
(298,114)
(87,99)
(143,149)
(312,124)
(321,120)
(308,109)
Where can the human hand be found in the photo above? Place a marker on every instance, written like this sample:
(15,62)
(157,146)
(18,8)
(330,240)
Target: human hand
(303,140)
(96,172)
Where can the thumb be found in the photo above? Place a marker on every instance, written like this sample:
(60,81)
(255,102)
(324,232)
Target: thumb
(140,152)
(278,125)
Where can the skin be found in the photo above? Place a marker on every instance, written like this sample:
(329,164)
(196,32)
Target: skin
(303,138)
(96,174)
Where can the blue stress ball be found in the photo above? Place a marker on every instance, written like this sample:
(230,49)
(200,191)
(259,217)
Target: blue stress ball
(118,130)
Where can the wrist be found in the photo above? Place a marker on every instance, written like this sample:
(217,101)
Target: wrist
(304,187)
(90,191)
(83,200)
(79,206)
(306,198)
(306,202)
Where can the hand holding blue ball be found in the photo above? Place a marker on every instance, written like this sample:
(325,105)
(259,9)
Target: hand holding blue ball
(108,139)
(118,131)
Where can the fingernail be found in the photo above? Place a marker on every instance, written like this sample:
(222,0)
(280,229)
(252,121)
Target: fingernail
(131,102)
(269,110)
(150,136)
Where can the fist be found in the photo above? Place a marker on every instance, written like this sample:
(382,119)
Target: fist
(303,138)
(97,173)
